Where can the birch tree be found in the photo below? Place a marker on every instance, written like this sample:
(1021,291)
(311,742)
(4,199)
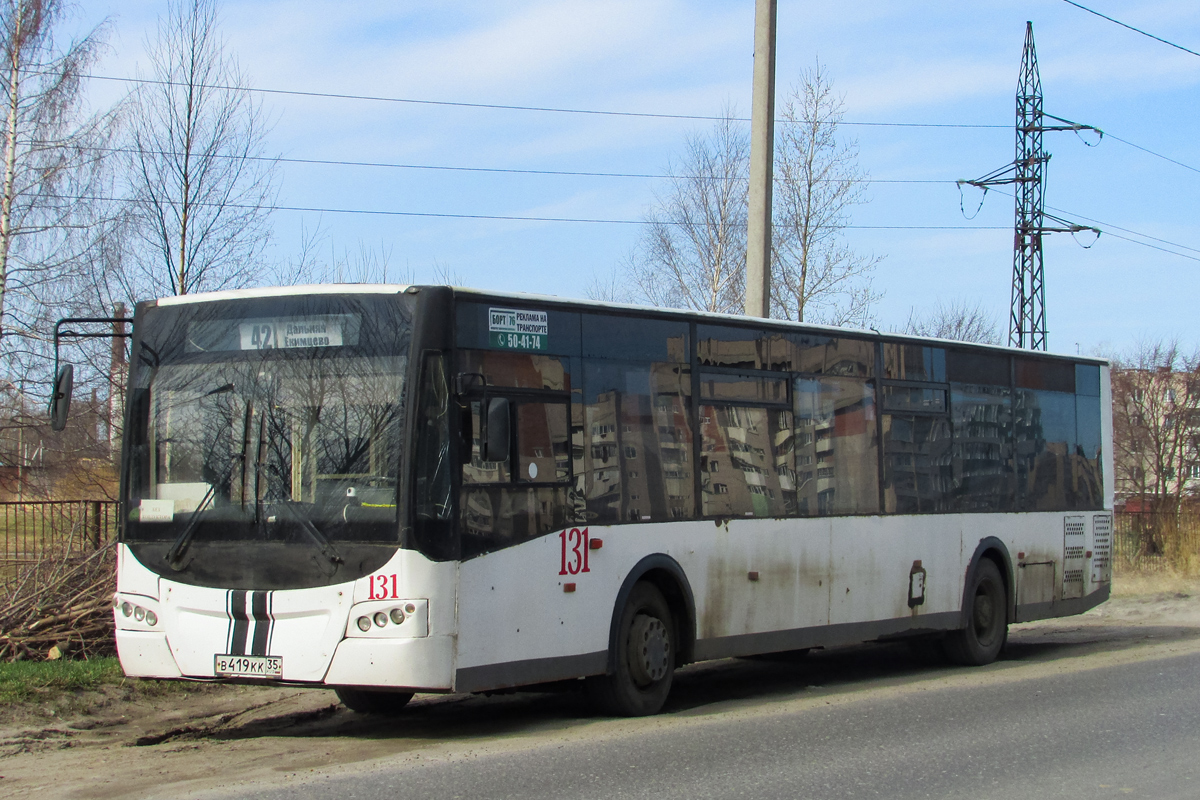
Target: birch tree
(692,253)
(201,182)
(815,275)
(53,218)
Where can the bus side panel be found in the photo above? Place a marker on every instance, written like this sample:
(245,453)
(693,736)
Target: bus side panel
(755,576)
(897,567)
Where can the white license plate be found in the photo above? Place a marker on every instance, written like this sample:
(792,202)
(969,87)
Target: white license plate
(248,666)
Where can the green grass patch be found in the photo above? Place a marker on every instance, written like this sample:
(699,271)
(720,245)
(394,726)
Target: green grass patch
(23,681)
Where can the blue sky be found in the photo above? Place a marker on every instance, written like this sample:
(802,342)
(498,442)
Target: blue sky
(931,62)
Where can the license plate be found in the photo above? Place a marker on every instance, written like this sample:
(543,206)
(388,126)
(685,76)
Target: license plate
(248,666)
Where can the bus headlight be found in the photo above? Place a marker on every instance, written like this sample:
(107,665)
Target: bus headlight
(136,613)
(389,619)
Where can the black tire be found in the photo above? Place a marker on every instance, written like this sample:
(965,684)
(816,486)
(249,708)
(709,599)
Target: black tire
(987,619)
(645,658)
(367,701)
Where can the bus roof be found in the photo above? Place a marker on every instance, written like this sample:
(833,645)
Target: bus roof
(583,304)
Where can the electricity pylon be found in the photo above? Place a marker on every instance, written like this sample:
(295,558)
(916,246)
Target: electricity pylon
(1027,173)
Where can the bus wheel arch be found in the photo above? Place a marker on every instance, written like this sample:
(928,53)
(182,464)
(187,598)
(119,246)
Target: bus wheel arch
(665,574)
(983,628)
(995,550)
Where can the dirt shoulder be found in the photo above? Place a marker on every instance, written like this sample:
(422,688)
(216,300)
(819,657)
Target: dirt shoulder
(125,741)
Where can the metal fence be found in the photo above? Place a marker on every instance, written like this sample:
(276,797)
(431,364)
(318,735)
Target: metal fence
(1149,541)
(31,532)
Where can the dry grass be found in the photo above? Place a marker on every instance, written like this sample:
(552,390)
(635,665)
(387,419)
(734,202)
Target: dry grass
(1141,584)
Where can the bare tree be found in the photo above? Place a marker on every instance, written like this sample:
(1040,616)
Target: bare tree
(958,320)
(1156,425)
(52,219)
(611,287)
(200,180)
(815,275)
(692,253)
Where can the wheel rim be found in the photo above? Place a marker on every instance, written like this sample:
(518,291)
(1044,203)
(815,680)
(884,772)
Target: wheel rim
(984,614)
(649,649)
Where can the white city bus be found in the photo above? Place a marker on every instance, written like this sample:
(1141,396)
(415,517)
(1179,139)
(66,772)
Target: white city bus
(389,490)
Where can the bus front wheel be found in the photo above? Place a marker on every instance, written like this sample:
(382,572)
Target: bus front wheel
(987,619)
(366,701)
(644,666)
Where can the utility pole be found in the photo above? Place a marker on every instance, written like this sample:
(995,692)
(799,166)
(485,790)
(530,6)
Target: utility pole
(1027,173)
(762,157)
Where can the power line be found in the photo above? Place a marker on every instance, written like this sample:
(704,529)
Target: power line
(604,221)
(452,168)
(505,107)
(1130,27)
(549,109)
(1109,228)
(1151,152)
(502,217)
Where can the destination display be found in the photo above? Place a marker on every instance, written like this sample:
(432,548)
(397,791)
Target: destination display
(274,333)
(267,334)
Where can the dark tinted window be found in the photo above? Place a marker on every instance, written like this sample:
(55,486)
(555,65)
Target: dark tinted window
(974,366)
(637,441)
(722,346)
(835,445)
(743,388)
(1053,470)
(746,461)
(823,355)
(917,473)
(634,339)
(517,370)
(1054,376)
(914,398)
(914,362)
(981,459)
(1087,379)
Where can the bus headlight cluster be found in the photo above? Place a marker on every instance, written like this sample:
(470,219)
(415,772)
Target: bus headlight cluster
(138,613)
(380,619)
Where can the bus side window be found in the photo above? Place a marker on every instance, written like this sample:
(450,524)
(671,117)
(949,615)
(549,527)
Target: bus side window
(836,448)
(543,449)
(476,470)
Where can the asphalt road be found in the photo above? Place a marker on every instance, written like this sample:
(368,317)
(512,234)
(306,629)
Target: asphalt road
(1092,725)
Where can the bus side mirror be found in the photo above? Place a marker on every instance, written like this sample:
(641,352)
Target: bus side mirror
(60,399)
(496,433)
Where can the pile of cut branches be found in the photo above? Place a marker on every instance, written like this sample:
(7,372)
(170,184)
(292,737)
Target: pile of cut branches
(59,606)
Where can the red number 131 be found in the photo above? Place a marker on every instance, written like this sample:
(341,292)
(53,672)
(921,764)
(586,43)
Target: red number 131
(574,551)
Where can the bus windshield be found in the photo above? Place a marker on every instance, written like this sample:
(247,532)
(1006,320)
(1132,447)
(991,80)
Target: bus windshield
(273,424)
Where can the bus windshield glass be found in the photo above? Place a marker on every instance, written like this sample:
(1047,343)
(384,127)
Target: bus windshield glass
(270,420)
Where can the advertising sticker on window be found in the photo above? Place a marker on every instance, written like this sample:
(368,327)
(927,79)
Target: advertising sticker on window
(513,329)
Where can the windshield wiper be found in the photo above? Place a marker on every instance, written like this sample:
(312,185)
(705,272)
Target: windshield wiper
(323,545)
(179,547)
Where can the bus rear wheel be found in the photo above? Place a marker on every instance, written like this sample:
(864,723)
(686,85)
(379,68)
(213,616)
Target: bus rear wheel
(645,658)
(987,619)
(367,701)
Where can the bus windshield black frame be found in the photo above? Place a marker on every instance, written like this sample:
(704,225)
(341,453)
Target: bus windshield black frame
(264,437)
